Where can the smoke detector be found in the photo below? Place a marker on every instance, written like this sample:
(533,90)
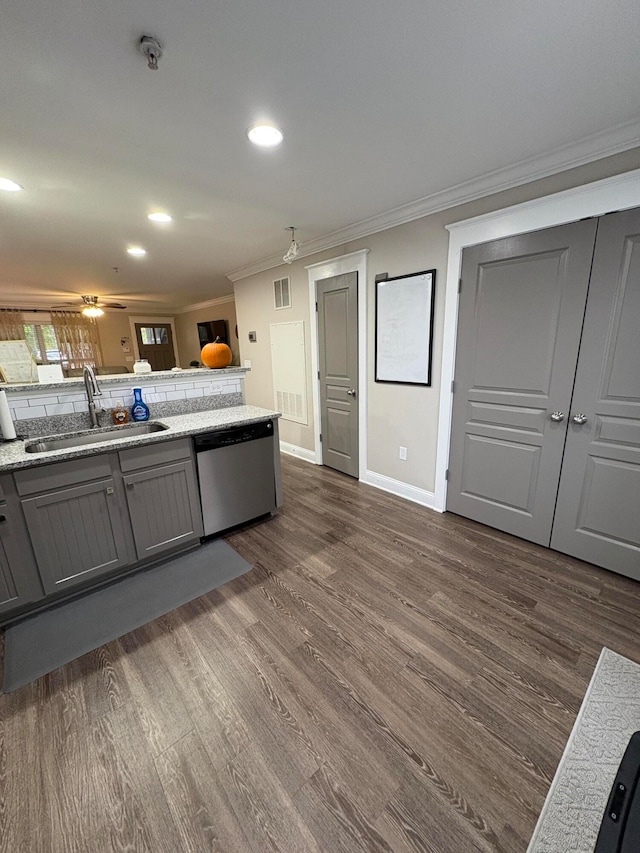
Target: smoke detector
(151,48)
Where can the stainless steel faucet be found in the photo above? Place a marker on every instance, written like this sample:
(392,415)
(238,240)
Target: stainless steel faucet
(93,390)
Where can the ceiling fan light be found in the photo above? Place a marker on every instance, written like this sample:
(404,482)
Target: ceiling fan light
(160,217)
(265,135)
(9,185)
(92,311)
(137,251)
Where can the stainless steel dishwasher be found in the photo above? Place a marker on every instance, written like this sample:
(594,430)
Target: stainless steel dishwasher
(236,475)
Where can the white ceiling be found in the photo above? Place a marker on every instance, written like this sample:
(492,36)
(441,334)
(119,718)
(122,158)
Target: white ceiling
(381,103)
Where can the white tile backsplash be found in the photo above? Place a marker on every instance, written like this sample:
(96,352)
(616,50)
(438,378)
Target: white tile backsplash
(31,412)
(42,402)
(60,409)
(70,398)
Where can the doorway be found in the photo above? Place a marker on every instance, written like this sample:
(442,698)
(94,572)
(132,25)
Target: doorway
(545,439)
(353,262)
(595,199)
(337,308)
(155,343)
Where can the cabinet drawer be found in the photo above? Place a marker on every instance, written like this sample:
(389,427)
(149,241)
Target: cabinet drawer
(154,454)
(46,478)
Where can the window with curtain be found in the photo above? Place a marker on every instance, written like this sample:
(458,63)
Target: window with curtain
(77,339)
(65,337)
(11,325)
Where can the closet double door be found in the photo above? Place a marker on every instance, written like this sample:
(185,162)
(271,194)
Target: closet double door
(545,439)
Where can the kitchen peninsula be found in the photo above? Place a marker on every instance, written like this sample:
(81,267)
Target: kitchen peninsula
(110,500)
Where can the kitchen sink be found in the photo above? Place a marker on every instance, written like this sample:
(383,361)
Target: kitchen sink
(93,437)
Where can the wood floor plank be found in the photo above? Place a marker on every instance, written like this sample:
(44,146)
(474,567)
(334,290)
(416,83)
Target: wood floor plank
(268,718)
(263,807)
(220,724)
(101,676)
(333,817)
(336,727)
(160,705)
(197,799)
(415,819)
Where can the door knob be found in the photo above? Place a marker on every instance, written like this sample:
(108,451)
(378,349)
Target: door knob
(351,392)
(557,416)
(579,418)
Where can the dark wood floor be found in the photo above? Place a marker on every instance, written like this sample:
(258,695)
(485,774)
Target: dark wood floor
(386,678)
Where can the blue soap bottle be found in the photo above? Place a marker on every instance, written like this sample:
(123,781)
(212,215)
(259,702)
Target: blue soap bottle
(139,410)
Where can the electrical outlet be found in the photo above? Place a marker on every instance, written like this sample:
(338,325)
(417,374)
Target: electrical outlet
(247,363)
(403,454)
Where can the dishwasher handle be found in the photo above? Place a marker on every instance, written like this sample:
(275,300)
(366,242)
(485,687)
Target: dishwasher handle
(232,435)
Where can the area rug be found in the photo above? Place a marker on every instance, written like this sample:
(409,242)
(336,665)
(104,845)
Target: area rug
(610,714)
(50,639)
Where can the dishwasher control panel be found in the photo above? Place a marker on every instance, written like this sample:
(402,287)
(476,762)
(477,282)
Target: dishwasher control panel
(233,435)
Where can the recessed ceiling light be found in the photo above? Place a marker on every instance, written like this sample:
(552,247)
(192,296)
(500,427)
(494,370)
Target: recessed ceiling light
(160,217)
(9,186)
(137,251)
(265,135)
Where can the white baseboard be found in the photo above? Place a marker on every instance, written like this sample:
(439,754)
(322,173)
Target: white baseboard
(300,452)
(397,487)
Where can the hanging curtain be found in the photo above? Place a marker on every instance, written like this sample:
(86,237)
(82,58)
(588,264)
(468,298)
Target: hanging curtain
(78,339)
(11,325)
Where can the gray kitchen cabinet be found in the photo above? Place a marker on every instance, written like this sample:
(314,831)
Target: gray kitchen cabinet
(19,581)
(77,533)
(87,518)
(164,507)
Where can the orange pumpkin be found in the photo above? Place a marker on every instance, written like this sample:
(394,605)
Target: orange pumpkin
(216,355)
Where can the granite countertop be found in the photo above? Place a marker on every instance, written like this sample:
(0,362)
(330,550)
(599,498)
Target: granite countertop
(130,378)
(13,455)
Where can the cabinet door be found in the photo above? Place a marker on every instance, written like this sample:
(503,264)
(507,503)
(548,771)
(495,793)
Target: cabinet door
(19,582)
(76,534)
(9,596)
(19,579)
(164,508)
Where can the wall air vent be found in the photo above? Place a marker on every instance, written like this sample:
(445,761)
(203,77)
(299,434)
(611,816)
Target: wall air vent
(289,366)
(281,293)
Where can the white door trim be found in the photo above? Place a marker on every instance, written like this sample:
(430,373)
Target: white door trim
(149,321)
(353,262)
(618,193)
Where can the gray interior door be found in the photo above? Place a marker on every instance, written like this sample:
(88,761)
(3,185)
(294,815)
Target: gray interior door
(337,303)
(598,513)
(520,317)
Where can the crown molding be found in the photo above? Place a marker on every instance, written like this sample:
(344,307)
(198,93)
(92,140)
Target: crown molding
(219,300)
(605,143)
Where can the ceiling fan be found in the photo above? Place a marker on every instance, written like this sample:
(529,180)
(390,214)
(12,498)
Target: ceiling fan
(92,305)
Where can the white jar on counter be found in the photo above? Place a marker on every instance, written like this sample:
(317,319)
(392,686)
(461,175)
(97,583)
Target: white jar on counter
(142,366)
